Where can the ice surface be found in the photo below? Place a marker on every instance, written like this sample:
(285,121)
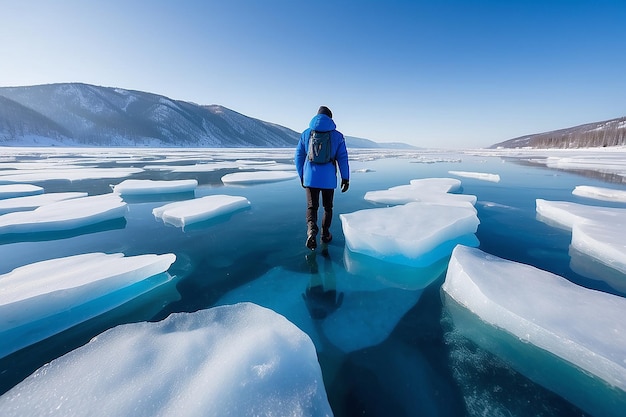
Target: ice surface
(416,234)
(583,327)
(477,175)
(18,190)
(238,360)
(600,193)
(431,190)
(74,174)
(44,298)
(64,215)
(567,214)
(597,232)
(349,311)
(141,187)
(183,213)
(31,202)
(258,177)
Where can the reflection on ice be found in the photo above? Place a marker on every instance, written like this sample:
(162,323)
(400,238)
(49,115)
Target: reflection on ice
(182,213)
(64,215)
(363,314)
(44,298)
(583,329)
(233,360)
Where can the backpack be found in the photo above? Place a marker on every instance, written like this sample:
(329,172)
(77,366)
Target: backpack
(319,147)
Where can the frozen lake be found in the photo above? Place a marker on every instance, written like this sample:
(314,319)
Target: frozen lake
(391,341)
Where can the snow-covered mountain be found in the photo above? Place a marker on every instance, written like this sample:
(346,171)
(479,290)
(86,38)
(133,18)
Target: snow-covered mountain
(81,114)
(607,133)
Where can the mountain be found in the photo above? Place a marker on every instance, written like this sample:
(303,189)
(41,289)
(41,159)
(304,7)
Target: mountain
(608,133)
(354,142)
(81,114)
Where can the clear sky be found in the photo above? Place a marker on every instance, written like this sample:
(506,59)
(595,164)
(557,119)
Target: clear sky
(440,73)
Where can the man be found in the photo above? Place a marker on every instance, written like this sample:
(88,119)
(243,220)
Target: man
(319,175)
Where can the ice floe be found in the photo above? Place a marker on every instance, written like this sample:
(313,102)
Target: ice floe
(566,214)
(47,297)
(584,328)
(600,193)
(64,215)
(258,177)
(597,232)
(31,202)
(416,234)
(430,190)
(476,175)
(74,174)
(19,190)
(183,213)
(141,187)
(239,360)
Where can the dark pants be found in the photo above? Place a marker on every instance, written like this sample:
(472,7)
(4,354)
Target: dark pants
(313,204)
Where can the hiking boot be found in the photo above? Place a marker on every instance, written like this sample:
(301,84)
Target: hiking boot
(327,238)
(311,243)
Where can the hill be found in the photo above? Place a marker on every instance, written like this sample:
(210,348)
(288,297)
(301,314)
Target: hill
(81,114)
(607,133)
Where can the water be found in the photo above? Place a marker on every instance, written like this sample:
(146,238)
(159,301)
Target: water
(424,366)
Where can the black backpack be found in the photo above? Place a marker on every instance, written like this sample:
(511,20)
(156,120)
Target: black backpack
(319,147)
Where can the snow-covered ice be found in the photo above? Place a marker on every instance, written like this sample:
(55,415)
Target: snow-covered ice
(476,175)
(256,177)
(47,297)
(566,214)
(64,215)
(31,202)
(600,193)
(583,327)
(18,190)
(416,234)
(141,187)
(431,190)
(183,213)
(237,360)
(74,174)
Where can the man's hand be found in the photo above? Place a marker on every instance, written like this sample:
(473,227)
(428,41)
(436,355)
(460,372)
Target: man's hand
(345,184)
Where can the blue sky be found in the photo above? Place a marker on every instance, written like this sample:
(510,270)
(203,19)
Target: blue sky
(449,74)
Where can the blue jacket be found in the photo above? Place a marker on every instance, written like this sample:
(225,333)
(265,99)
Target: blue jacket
(322,175)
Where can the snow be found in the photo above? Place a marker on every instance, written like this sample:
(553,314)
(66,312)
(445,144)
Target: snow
(47,297)
(258,177)
(73,174)
(600,193)
(431,190)
(477,175)
(18,190)
(238,360)
(183,213)
(31,202)
(416,234)
(64,215)
(583,327)
(141,187)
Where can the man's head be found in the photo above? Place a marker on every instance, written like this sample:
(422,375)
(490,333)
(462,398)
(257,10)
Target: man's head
(325,110)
